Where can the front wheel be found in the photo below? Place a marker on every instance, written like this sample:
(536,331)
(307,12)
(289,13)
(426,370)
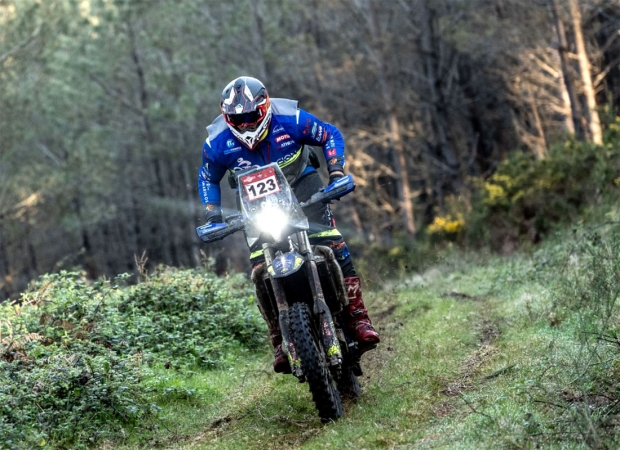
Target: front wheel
(313,363)
(348,385)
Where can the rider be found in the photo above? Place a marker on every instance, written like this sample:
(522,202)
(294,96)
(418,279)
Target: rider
(254,130)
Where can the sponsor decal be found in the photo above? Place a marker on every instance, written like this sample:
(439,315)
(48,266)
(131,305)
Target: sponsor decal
(353,289)
(285,144)
(307,127)
(277,129)
(314,129)
(230,143)
(205,186)
(335,246)
(233,150)
(283,137)
(209,207)
(331,153)
(319,134)
(243,164)
(286,158)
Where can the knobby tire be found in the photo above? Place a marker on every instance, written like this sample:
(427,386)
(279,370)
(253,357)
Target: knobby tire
(348,385)
(310,351)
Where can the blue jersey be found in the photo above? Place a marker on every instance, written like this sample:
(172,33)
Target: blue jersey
(290,132)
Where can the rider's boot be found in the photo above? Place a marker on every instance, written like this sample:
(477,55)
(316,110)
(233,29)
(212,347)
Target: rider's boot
(280,364)
(356,316)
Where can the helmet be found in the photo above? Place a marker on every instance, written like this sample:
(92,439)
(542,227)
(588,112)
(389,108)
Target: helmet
(246,107)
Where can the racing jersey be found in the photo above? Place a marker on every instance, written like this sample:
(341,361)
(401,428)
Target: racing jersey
(290,131)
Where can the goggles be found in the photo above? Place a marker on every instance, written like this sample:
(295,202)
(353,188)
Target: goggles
(245,120)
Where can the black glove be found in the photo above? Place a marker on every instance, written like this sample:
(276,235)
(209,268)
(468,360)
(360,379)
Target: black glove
(214,215)
(333,177)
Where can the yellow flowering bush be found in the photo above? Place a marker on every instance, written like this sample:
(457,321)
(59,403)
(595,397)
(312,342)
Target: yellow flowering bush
(501,189)
(613,131)
(495,194)
(526,197)
(447,225)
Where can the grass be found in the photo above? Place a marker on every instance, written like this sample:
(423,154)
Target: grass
(437,339)
(480,352)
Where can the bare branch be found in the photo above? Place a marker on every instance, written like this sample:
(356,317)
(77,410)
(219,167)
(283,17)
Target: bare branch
(601,76)
(21,45)
(47,152)
(115,94)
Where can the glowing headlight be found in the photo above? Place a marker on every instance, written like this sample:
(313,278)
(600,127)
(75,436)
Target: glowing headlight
(272,221)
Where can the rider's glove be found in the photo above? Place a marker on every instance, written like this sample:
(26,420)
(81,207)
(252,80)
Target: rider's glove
(213,213)
(334,176)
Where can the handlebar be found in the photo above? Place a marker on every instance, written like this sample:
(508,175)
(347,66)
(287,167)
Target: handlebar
(211,232)
(335,191)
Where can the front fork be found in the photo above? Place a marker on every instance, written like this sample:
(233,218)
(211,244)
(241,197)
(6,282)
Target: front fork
(326,330)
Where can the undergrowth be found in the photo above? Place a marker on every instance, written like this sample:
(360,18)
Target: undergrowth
(561,305)
(82,363)
(587,299)
(76,357)
(523,202)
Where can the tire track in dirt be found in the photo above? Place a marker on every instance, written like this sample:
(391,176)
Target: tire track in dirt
(470,375)
(373,363)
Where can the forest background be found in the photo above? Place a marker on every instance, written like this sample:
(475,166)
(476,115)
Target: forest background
(104,103)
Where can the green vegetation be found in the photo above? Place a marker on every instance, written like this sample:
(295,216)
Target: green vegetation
(525,201)
(479,350)
(528,198)
(78,361)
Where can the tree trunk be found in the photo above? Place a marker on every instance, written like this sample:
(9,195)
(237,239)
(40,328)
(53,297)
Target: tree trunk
(161,226)
(568,119)
(260,41)
(566,73)
(400,160)
(590,113)
(402,182)
(33,265)
(192,198)
(5,268)
(431,54)
(540,149)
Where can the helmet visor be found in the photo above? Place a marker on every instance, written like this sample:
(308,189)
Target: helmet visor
(245,120)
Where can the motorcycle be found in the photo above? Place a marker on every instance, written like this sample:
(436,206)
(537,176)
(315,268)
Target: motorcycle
(302,284)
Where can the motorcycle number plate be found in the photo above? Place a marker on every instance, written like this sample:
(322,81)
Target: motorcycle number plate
(260,184)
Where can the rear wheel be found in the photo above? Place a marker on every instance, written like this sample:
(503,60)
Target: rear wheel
(310,351)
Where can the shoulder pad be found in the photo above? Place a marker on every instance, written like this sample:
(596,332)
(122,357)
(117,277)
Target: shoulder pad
(284,106)
(216,128)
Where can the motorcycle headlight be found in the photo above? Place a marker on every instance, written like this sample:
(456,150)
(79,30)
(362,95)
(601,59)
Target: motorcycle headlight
(272,221)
